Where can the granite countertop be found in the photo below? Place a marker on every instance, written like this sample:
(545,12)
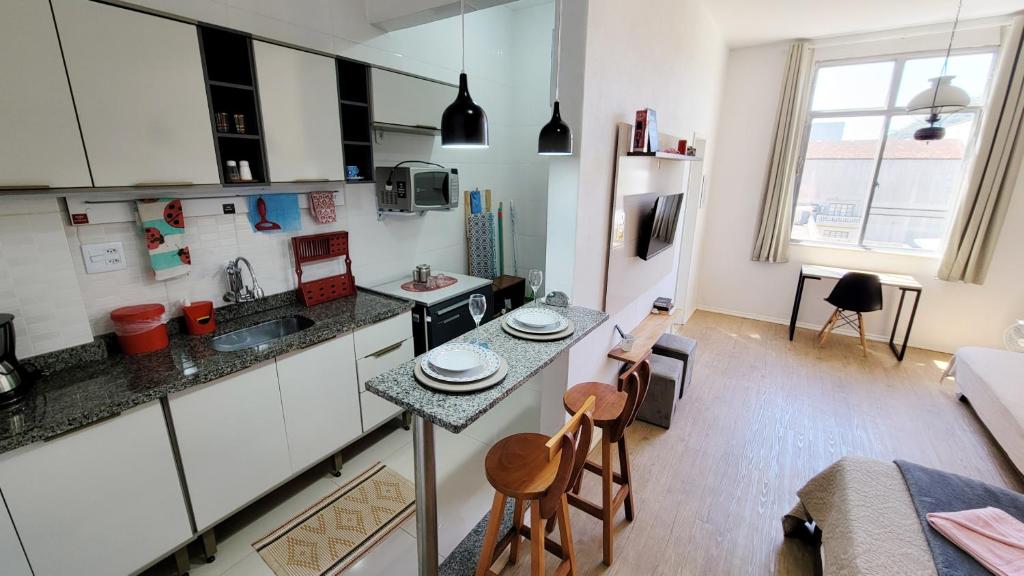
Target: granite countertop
(455,412)
(89,386)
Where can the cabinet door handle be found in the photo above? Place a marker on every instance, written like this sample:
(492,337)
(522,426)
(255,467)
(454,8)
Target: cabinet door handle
(452,319)
(388,350)
(24,187)
(301,180)
(453,307)
(425,127)
(164,183)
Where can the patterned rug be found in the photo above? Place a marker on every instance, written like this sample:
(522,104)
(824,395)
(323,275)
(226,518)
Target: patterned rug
(337,531)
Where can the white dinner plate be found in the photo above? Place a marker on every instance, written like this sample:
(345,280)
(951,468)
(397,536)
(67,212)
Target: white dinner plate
(489,363)
(556,327)
(535,318)
(455,360)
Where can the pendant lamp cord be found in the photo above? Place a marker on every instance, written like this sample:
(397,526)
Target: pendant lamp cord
(462,11)
(949,49)
(558,53)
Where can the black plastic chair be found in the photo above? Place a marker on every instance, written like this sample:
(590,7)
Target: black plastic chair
(856,293)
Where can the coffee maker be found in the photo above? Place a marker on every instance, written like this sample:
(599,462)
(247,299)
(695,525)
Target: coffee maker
(13,378)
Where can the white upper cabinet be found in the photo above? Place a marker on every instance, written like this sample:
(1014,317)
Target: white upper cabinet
(138,84)
(102,500)
(404,100)
(320,396)
(40,144)
(302,126)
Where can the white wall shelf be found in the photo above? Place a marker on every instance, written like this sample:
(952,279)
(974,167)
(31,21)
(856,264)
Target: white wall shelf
(665,156)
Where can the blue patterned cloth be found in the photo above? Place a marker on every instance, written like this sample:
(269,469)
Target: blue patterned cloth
(480,232)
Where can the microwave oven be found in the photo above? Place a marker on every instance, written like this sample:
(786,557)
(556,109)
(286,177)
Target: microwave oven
(415,189)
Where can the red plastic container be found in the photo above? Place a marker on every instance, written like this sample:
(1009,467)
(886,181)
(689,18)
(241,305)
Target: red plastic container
(140,329)
(199,318)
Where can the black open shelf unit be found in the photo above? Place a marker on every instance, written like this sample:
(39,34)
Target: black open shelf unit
(230,74)
(356,117)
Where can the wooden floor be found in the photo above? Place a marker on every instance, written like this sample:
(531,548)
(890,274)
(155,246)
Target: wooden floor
(762,416)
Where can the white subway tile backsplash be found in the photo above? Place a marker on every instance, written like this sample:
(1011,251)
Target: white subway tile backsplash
(39,280)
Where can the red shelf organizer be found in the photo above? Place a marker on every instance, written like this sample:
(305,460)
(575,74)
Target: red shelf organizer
(317,248)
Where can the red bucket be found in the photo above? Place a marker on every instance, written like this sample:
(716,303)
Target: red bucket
(140,329)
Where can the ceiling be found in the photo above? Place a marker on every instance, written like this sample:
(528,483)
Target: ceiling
(750,22)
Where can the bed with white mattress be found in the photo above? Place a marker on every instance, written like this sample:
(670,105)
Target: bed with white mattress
(992,381)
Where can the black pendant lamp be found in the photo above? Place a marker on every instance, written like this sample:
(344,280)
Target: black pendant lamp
(464,123)
(555,137)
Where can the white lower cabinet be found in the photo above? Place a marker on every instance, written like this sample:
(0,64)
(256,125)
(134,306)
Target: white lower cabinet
(379,348)
(12,557)
(376,410)
(232,441)
(102,500)
(320,396)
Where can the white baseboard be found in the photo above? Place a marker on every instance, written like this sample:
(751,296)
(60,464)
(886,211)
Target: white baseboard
(785,322)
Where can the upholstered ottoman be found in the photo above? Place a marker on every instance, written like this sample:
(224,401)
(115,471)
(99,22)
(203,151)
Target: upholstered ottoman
(681,348)
(666,380)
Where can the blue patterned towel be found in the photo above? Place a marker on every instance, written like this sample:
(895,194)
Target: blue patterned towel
(480,236)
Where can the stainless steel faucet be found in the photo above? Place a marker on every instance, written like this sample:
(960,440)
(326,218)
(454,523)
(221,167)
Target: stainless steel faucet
(237,290)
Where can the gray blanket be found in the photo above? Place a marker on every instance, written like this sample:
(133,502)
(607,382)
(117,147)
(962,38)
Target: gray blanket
(937,491)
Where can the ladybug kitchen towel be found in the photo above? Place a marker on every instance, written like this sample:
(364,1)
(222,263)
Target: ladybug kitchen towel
(163,228)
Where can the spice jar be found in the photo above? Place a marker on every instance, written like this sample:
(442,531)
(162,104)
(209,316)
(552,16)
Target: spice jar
(240,123)
(244,172)
(232,172)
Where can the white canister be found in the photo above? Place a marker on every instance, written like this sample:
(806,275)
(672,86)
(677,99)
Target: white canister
(244,172)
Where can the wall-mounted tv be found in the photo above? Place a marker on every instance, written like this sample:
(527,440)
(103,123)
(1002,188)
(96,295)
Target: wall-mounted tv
(658,228)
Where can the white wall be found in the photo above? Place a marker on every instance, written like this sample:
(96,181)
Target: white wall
(37,279)
(672,62)
(508,59)
(951,315)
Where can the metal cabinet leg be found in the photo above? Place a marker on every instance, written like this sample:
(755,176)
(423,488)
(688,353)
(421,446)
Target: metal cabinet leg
(182,563)
(426,495)
(406,420)
(336,465)
(209,541)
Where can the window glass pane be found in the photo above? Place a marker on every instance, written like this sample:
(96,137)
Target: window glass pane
(971,73)
(918,183)
(836,178)
(853,86)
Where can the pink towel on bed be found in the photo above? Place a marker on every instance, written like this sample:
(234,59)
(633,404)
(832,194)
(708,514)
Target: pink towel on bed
(992,537)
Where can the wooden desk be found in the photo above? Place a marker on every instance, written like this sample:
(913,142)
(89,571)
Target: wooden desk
(905,283)
(647,333)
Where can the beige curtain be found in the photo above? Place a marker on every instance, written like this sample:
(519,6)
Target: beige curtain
(772,242)
(972,239)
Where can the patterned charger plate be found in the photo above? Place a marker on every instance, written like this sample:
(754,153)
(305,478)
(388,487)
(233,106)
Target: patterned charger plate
(489,362)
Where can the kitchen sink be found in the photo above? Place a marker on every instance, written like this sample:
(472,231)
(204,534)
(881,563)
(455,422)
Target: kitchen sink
(260,334)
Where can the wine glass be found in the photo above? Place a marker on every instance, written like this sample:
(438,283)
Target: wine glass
(535,277)
(477,307)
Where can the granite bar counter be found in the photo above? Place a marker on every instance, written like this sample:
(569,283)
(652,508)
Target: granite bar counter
(455,412)
(86,384)
(526,358)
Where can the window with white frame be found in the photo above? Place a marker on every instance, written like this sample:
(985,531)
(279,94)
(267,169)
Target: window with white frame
(864,180)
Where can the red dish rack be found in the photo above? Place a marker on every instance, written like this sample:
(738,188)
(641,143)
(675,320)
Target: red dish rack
(317,248)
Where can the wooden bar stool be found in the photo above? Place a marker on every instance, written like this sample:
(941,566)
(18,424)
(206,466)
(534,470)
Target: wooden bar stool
(614,411)
(536,470)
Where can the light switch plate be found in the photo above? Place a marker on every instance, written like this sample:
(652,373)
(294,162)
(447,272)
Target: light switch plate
(105,257)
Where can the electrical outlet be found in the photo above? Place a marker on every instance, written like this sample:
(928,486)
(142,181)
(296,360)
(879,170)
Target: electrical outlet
(105,257)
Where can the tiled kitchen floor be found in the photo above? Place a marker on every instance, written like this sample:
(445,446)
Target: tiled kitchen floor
(464,495)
